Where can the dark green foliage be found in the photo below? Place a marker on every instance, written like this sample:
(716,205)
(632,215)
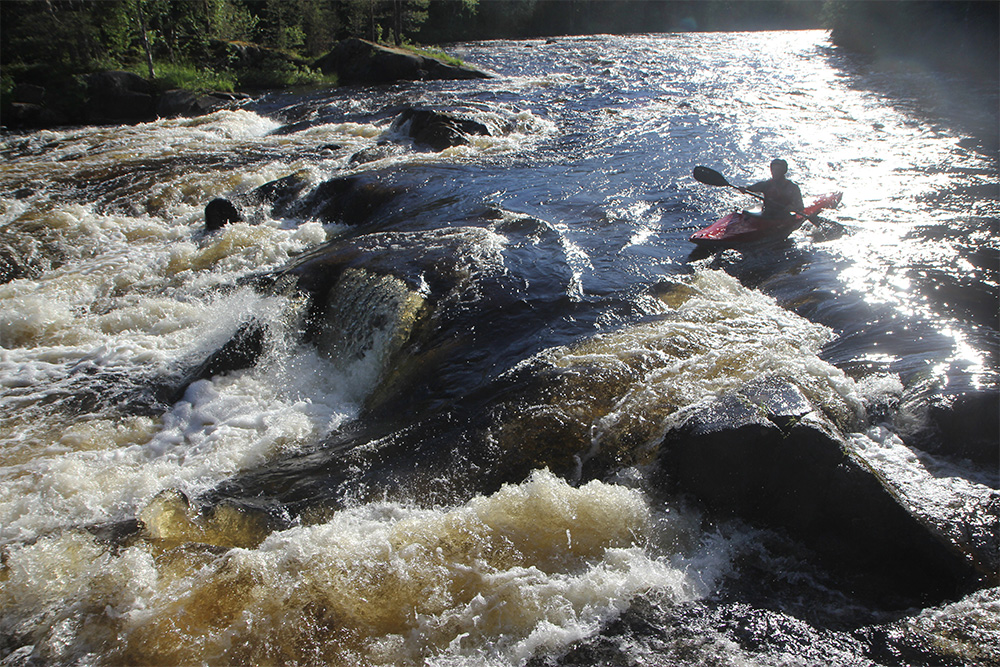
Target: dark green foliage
(44,40)
(953,35)
(52,36)
(451,20)
(72,36)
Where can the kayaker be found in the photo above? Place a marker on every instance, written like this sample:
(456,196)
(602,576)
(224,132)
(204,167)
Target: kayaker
(781,196)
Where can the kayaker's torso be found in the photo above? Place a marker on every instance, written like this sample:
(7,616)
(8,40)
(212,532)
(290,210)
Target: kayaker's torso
(781,197)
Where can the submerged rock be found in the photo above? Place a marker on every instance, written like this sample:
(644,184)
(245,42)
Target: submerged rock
(171,519)
(185,103)
(357,61)
(437,129)
(27,253)
(350,200)
(765,455)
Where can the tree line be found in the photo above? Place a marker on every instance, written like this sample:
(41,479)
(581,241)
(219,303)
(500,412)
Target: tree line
(57,37)
(85,35)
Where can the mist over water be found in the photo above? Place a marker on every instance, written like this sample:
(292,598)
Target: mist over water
(455,462)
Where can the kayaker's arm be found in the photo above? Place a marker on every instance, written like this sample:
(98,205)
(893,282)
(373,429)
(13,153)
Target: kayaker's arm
(797,203)
(750,190)
(755,190)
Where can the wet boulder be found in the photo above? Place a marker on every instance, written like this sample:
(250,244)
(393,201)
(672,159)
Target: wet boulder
(241,351)
(970,423)
(185,103)
(153,397)
(220,212)
(438,130)
(349,200)
(119,97)
(380,151)
(357,61)
(280,193)
(94,388)
(962,425)
(766,455)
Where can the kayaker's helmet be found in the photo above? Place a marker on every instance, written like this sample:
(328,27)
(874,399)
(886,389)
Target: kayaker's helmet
(779,167)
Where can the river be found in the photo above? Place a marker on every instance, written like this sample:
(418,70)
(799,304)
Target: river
(456,465)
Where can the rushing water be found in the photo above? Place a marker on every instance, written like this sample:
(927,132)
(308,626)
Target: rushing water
(415,482)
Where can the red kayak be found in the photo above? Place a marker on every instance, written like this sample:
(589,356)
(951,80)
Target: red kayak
(743,227)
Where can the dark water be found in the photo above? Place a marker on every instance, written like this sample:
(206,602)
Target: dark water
(445,451)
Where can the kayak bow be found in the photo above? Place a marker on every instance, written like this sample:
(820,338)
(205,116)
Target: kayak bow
(741,227)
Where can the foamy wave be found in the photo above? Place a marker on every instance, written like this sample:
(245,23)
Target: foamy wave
(225,125)
(290,399)
(712,336)
(530,568)
(221,426)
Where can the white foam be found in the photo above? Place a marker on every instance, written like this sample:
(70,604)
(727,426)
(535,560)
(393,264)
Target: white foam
(530,568)
(221,426)
(712,335)
(935,488)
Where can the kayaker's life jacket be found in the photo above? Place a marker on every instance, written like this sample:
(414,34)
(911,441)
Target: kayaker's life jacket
(781,197)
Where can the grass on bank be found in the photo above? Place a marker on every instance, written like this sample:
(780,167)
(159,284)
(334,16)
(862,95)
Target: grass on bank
(189,77)
(434,52)
(204,79)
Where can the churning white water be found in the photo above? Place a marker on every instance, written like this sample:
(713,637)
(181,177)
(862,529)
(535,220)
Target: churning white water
(562,240)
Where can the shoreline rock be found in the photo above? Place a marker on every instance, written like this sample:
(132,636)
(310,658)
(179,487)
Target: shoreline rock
(764,454)
(118,97)
(358,61)
(107,98)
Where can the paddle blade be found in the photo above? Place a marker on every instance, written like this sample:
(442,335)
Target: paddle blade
(709,176)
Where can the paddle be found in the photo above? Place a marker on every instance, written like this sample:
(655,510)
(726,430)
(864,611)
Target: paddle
(712,177)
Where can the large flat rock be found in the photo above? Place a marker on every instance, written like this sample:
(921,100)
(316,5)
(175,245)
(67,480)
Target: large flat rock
(357,61)
(765,455)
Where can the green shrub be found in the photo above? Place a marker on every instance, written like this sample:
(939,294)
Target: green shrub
(432,52)
(281,75)
(189,77)
(6,84)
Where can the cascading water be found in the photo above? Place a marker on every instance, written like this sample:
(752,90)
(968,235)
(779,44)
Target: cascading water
(413,409)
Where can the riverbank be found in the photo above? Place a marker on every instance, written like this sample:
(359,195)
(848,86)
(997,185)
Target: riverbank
(243,70)
(458,406)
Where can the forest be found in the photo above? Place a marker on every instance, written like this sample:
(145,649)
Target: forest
(183,42)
